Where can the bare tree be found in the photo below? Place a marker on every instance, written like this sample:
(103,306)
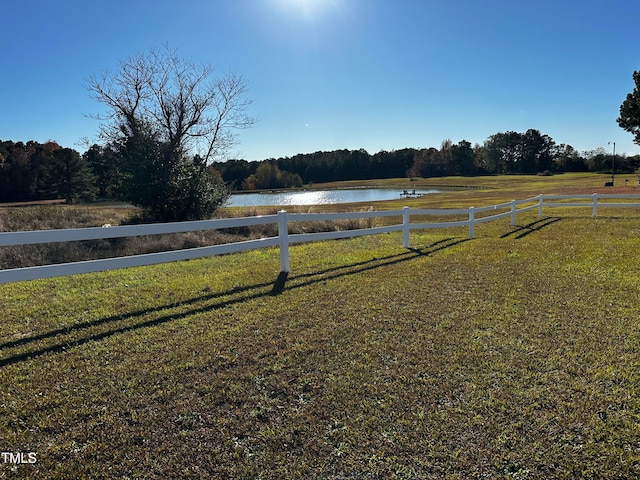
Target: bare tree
(168,118)
(179,101)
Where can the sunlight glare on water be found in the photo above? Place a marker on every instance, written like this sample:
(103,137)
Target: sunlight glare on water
(317,197)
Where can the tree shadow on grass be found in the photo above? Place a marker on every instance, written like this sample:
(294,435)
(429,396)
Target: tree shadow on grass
(524,230)
(62,339)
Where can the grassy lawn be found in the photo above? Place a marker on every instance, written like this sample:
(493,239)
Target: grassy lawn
(512,355)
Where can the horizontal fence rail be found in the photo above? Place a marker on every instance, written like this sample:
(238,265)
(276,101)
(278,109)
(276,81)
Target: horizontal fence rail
(283,239)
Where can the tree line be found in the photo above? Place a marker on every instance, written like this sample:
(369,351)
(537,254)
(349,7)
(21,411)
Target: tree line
(503,153)
(35,171)
(41,171)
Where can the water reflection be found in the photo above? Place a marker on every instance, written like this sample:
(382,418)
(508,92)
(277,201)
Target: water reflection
(318,197)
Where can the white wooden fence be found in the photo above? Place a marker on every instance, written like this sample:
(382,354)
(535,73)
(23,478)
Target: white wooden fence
(473,216)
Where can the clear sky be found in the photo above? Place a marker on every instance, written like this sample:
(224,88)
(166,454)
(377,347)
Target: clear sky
(332,74)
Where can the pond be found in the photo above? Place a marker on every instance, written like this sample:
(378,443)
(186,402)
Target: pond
(321,197)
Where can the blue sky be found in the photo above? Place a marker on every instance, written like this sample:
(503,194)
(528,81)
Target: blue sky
(332,74)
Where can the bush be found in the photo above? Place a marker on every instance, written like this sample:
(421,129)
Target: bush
(166,185)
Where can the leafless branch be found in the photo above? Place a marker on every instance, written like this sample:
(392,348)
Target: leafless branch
(185,106)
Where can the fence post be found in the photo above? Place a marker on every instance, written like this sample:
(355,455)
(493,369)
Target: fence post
(405,227)
(283,235)
(472,216)
(513,212)
(595,205)
(540,204)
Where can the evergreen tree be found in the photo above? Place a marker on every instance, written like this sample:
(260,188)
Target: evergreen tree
(68,176)
(629,118)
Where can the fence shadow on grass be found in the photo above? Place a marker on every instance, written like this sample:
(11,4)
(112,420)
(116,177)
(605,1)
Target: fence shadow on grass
(524,230)
(62,339)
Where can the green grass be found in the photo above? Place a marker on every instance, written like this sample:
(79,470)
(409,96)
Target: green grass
(512,355)
(487,190)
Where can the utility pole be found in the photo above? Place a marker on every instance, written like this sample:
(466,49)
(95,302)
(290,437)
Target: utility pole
(613,160)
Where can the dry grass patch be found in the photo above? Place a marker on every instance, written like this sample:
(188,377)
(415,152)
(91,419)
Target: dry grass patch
(62,217)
